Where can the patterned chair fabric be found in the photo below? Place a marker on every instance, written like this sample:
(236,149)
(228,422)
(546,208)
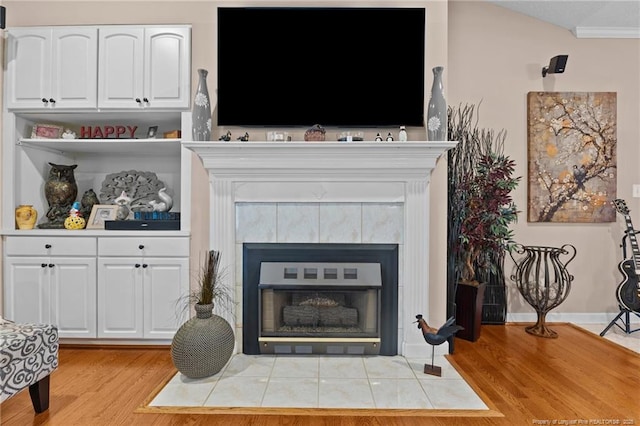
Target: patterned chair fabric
(28,354)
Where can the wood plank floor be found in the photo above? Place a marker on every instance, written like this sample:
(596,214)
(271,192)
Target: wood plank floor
(577,377)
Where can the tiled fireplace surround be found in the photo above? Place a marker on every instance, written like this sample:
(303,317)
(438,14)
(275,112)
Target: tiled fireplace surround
(326,192)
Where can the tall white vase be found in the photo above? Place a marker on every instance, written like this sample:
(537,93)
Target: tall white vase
(201,114)
(437,109)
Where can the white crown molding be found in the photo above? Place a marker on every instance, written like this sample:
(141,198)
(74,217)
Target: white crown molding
(606,32)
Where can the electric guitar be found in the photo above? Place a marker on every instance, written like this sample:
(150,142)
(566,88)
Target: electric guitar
(628,291)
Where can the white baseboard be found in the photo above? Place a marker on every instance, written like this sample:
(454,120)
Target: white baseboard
(573,317)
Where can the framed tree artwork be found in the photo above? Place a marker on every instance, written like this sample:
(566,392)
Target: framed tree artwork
(571,156)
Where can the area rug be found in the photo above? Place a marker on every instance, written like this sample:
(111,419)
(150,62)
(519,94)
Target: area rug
(359,386)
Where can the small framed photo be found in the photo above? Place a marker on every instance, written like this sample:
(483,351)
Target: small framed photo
(46,131)
(100,213)
(152,132)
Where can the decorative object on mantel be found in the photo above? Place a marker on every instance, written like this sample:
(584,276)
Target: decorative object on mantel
(378,138)
(201,115)
(389,137)
(348,136)
(26,216)
(543,281)
(203,345)
(436,337)
(226,137)
(141,187)
(74,220)
(437,109)
(60,190)
(244,138)
(317,133)
(402,134)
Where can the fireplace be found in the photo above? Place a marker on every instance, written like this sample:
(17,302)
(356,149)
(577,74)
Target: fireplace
(337,299)
(329,193)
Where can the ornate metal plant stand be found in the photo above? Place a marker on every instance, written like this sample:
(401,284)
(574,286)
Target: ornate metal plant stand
(543,281)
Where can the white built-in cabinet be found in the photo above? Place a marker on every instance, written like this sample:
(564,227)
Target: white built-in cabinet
(144,67)
(52,280)
(137,292)
(104,67)
(96,284)
(52,68)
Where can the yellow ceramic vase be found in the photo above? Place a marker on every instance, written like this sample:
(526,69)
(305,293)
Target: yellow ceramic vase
(26,216)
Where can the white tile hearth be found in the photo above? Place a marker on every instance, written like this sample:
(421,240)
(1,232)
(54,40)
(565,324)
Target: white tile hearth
(323,382)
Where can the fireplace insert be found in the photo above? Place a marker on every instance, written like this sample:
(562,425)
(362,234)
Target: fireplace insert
(327,308)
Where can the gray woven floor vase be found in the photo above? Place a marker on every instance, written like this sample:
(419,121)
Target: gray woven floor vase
(203,345)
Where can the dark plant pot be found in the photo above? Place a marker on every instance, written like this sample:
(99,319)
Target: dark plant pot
(469,300)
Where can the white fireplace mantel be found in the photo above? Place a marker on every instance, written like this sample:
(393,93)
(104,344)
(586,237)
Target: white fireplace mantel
(315,172)
(380,161)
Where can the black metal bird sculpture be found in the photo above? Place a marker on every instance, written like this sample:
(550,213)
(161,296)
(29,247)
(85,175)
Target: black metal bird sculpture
(436,337)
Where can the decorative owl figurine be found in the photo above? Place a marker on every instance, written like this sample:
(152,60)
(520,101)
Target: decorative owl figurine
(89,198)
(60,190)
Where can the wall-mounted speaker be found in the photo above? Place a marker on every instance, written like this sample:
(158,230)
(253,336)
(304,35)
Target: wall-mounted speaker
(3,15)
(556,65)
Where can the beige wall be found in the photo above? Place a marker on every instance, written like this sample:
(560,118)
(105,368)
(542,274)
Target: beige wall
(496,56)
(490,55)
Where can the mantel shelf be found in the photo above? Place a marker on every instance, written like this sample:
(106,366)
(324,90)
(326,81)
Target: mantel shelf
(105,146)
(382,161)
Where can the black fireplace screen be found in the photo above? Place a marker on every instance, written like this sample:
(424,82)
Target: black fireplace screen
(320,300)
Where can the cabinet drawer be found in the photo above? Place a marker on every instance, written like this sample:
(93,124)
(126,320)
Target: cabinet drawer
(50,246)
(144,246)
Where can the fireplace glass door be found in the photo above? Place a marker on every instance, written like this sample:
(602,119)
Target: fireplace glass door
(319,308)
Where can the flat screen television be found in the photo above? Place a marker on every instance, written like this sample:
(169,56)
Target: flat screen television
(300,66)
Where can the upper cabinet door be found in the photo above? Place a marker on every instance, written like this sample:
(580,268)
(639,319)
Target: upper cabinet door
(167,63)
(52,68)
(75,68)
(144,68)
(121,67)
(28,78)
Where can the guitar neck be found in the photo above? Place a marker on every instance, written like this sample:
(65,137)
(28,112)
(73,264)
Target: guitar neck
(635,251)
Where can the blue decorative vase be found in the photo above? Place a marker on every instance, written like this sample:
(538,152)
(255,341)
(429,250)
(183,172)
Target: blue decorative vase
(201,114)
(437,109)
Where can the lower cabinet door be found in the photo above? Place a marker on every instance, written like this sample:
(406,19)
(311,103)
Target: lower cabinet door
(166,286)
(26,290)
(120,300)
(73,296)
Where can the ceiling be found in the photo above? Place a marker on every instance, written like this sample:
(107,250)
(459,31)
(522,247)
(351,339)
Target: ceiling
(586,18)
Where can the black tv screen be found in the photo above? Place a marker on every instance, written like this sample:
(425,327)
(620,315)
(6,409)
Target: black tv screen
(300,66)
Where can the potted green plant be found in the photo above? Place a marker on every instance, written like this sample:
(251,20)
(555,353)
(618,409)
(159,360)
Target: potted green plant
(481,210)
(204,344)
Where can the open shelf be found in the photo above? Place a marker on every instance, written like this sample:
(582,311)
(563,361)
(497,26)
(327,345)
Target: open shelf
(105,146)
